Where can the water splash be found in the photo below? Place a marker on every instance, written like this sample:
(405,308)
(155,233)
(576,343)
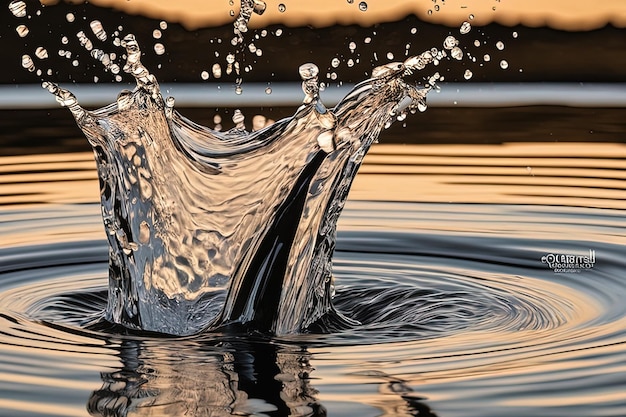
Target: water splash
(209,229)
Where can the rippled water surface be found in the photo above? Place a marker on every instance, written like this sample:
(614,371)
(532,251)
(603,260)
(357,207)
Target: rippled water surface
(439,256)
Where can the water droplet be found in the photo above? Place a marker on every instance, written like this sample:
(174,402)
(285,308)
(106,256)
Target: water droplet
(350,1)
(216,70)
(162,25)
(278,32)
(18,8)
(477,43)
(70,17)
(413,31)
(308,71)
(159,49)
(457,53)
(504,64)
(471,17)
(450,42)
(468,74)
(41,53)
(350,63)
(429,12)
(27,63)
(389,55)
(500,45)
(465,28)
(367,40)
(437,7)
(98,30)
(84,40)
(259,52)
(22,31)
(486,58)
(258,122)
(204,75)
(335,62)
(75,62)
(515,34)
(268,90)
(230,58)
(352,46)
(282,8)
(363,6)
(156,34)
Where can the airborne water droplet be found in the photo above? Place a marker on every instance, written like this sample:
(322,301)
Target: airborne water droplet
(500,45)
(27,62)
(217,70)
(163,25)
(268,90)
(504,64)
(18,8)
(282,8)
(159,49)
(98,30)
(335,62)
(308,71)
(468,74)
(204,75)
(363,6)
(457,53)
(352,46)
(41,53)
(486,58)
(156,34)
(450,42)
(22,30)
(389,55)
(465,28)
(70,17)
(515,34)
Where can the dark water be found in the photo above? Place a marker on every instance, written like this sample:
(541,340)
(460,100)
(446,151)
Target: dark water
(449,239)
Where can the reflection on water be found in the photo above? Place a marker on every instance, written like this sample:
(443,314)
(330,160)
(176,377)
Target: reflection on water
(438,255)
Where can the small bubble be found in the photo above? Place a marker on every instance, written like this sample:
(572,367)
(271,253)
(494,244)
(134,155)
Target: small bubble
(159,49)
(500,45)
(282,8)
(162,25)
(389,55)
(468,74)
(22,31)
(27,63)
(504,64)
(363,6)
(70,17)
(268,90)
(18,8)
(486,58)
(41,53)
(465,28)
(156,34)
(204,75)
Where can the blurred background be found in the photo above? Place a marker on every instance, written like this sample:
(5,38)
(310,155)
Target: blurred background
(564,81)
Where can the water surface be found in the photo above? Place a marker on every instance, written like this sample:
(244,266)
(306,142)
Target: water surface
(439,256)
